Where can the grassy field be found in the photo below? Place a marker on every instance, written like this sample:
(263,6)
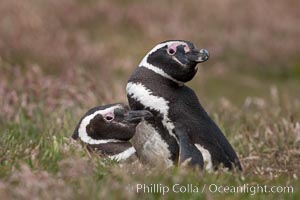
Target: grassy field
(58,58)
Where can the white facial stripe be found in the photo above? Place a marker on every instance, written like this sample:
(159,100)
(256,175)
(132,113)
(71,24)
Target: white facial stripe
(164,44)
(157,70)
(139,92)
(85,121)
(206,157)
(123,155)
(174,58)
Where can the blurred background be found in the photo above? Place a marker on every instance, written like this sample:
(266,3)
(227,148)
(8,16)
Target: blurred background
(59,58)
(79,53)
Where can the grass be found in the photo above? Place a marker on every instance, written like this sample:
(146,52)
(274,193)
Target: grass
(59,65)
(264,131)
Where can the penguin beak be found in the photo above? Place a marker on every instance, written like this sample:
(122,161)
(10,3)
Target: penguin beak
(198,56)
(135,116)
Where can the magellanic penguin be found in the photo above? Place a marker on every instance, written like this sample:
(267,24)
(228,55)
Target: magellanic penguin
(108,129)
(181,131)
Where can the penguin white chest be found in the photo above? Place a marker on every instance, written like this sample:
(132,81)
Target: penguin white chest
(150,147)
(142,94)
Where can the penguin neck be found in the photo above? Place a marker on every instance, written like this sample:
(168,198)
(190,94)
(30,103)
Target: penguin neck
(158,70)
(111,148)
(128,154)
(146,75)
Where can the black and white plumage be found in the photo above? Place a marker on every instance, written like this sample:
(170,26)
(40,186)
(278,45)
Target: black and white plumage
(181,130)
(108,129)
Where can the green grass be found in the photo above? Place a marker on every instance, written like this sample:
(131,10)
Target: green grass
(55,65)
(38,148)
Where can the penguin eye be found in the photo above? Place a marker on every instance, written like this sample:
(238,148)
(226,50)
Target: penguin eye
(171,51)
(109,117)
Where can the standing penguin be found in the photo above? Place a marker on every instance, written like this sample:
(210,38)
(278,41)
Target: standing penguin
(108,129)
(181,130)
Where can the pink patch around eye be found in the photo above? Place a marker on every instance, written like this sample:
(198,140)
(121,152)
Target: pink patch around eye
(172,49)
(175,45)
(109,116)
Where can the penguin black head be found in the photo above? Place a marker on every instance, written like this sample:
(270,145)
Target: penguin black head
(175,59)
(109,123)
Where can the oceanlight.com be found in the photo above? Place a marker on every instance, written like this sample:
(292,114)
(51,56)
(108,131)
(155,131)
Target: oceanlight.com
(212,188)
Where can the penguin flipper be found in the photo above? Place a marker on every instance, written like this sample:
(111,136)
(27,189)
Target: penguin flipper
(189,154)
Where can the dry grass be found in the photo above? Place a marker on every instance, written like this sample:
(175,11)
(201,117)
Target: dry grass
(61,57)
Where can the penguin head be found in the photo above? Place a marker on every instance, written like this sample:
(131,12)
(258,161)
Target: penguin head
(109,123)
(175,59)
